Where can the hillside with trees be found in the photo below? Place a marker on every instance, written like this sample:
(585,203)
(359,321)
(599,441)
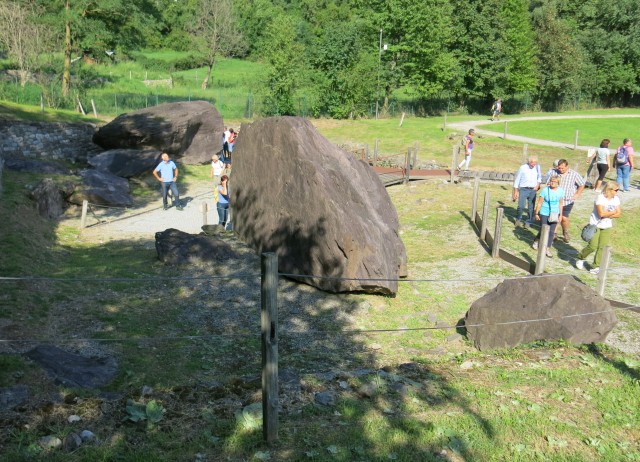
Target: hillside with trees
(351,58)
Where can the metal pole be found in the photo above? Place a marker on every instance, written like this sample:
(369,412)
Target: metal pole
(575,141)
(269,322)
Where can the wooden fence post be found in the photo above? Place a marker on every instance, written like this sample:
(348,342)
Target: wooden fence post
(366,152)
(444,125)
(497,234)
(605,258)
(485,215)
(95,111)
(575,141)
(269,323)
(407,166)
(414,162)
(204,208)
(525,150)
(504,136)
(375,152)
(474,205)
(402,119)
(83,217)
(80,106)
(542,249)
(454,160)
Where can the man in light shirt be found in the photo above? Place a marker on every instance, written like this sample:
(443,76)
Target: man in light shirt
(525,187)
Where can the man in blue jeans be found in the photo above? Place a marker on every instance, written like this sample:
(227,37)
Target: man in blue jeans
(168,177)
(525,187)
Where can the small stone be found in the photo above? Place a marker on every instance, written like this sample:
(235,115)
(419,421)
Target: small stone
(146,391)
(74,418)
(432,318)
(367,390)
(87,436)
(344,385)
(467,365)
(72,442)
(325,398)
(375,346)
(50,442)
(454,337)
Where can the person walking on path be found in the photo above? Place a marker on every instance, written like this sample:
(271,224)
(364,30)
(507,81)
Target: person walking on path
(606,207)
(217,166)
(223,201)
(549,211)
(496,110)
(572,184)
(168,177)
(624,164)
(468,149)
(225,144)
(602,157)
(525,187)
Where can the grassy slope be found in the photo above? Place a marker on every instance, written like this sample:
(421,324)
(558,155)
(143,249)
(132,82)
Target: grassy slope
(544,402)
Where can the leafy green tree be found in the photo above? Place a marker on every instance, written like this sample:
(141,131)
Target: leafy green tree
(562,59)
(520,73)
(216,33)
(95,26)
(284,55)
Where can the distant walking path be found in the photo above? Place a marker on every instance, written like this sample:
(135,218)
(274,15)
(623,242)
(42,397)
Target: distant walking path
(524,139)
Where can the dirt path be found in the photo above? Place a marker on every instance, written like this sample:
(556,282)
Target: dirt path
(524,139)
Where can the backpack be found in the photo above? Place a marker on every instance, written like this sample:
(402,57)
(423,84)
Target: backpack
(623,155)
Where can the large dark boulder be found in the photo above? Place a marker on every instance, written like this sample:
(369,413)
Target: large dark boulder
(322,211)
(176,247)
(191,131)
(35,166)
(102,188)
(539,308)
(126,163)
(51,198)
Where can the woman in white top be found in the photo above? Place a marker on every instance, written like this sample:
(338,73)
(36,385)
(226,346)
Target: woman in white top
(606,207)
(602,156)
(217,166)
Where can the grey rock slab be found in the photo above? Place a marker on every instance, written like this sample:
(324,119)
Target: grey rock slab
(13,396)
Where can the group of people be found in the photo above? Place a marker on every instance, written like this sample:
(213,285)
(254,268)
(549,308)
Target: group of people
(167,174)
(228,143)
(622,161)
(549,199)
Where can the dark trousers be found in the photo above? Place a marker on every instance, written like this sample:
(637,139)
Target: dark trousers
(170,185)
(223,213)
(526,198)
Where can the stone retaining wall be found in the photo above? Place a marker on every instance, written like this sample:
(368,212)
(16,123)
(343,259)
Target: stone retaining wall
(41,140)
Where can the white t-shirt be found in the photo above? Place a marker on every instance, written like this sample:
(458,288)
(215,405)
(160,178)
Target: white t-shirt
(217,167)
(609,205)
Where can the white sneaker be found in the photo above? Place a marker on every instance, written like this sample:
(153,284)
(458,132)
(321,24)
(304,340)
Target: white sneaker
(580,264)
(595,271)
(535,245)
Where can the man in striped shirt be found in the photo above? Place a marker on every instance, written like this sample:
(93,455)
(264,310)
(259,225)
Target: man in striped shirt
(573,184)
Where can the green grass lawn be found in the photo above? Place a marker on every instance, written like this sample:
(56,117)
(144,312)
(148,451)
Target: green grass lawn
(590,131)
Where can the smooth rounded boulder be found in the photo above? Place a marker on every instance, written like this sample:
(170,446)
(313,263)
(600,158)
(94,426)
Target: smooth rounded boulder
(325,213)
(189,130)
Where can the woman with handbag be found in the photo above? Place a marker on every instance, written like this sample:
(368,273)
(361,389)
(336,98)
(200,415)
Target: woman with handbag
(549,210)
(606,207)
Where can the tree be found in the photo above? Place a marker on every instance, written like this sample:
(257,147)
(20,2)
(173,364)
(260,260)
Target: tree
(284,55)
(216,33)
(22,37)
(93,27)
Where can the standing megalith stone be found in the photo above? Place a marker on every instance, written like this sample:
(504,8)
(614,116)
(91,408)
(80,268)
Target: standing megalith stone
(325,213)
(524,310)
(191,131)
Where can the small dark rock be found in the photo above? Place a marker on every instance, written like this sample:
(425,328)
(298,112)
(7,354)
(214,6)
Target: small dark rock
(325,398)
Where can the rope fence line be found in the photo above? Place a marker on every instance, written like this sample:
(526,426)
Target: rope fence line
(313,331)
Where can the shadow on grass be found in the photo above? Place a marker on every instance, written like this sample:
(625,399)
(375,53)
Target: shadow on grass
(621,366)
